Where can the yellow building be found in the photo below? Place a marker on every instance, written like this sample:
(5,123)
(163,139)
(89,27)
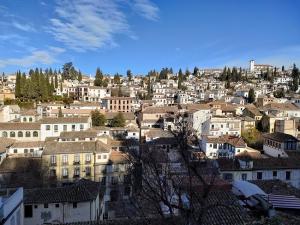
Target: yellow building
(67,161)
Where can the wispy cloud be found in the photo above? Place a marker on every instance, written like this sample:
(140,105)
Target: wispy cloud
(146,9)
(89,25)
(23,26)
(36,57)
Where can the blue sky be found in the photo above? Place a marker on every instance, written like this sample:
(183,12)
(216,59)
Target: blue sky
(141,35)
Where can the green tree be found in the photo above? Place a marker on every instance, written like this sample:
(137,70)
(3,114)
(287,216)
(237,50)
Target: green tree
(251,95)
(129,75)
(55,80)
(98,78)
(69,72)
(79,76)
(98,119)
(180,78)
(117,79)
(60,113)
(118,120)
(196,71)
(295,75)
(18,85)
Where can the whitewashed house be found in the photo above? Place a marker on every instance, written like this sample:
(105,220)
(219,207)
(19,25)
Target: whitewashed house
(52,127)
(80,202)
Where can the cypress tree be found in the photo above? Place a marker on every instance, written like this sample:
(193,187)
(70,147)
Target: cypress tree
(98,78)
(18,85)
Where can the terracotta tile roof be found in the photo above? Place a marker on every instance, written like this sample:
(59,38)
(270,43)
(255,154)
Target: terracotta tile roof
(82,191)
(5,142)
(19,126)
(117,157)
(280,137)
(127,115)
(78,134)
(28,144)
(55,147)
(164,109)
(50,120)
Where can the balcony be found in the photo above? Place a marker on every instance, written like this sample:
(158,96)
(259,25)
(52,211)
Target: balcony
(88,162)
(65,163)
(53,164)
(76,176)
(65,177)
(76,163)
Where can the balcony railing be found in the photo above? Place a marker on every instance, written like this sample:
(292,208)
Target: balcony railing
(76,163)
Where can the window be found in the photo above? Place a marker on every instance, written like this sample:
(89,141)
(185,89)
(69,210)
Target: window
(30,119)
(25,150)
(81,126)
(12,134)
(4,134)
(215,146)
(20,134)
(55,128)
(287,175)
(65,159)
(65,127)
(46,206)
(244,176)
(77,172)
(74,205)
(27,134)
(65,172)
(87,171)
(88,158)
(73,127)
(259,175)
(77,158)
(99,156)
(24,119)
(35,134)
(274,173)
(28,211)
(47,127)
(56,205)
(53,159)
(15,150)
(105,156)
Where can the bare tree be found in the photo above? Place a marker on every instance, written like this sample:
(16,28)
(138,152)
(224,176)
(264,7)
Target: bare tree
(169,182)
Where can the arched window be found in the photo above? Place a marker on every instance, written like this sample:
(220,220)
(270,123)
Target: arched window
(30,119)
(20,134)
(12,134)
(4,134)
(35,134)
(24,119)
(27,134)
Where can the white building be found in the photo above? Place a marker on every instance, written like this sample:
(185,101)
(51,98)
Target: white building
(9,113)
(52,127)
(80,202)
(224,146)
(11,208)
(222,125)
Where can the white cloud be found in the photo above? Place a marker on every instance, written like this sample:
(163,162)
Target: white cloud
(23,27)
(146,9)
(88,24)
(92,24)
(45,57)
